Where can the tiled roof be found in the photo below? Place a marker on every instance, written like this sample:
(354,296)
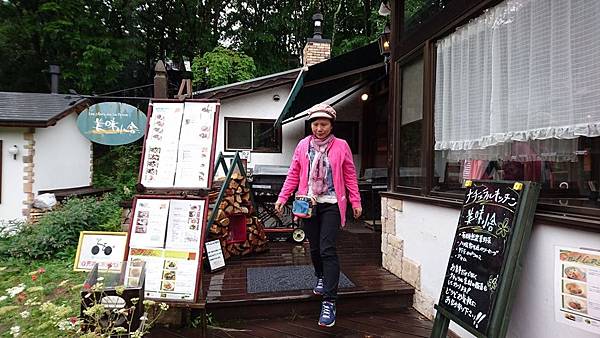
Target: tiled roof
(249,86)
(37,109)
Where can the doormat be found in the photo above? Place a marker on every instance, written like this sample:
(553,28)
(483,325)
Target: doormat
(286,278)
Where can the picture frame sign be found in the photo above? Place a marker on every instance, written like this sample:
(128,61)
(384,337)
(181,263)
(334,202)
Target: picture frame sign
(105,248)
(171,246)
(179,145)
(493,229)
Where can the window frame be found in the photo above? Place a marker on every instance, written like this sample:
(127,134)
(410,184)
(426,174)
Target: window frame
(404,50)
(278,132)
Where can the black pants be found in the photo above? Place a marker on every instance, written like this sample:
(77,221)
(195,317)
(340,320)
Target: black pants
(322,230)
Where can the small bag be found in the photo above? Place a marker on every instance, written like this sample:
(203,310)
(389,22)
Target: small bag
(302,207)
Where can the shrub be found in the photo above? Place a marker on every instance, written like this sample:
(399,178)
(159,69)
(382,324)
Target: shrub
(58,230)
(117,167)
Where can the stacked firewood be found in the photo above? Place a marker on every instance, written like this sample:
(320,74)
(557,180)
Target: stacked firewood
(237,202)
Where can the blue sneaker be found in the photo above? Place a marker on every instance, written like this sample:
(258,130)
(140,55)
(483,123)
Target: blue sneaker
(327,318)
(319,289)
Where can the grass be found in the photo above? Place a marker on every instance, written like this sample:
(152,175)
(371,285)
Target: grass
(52,281)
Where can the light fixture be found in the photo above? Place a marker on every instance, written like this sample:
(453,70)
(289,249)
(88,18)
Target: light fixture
(384,41)
(14,150)
(364,97)
(384,9)
(318,25)
(276,97)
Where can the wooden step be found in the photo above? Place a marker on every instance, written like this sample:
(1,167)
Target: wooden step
(349,302)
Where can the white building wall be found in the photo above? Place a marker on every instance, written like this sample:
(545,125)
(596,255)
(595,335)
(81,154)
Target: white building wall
(62,156)
(260,105)
(13,195)
(427,232)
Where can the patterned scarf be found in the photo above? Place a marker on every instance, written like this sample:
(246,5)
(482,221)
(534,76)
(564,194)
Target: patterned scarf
(318,172)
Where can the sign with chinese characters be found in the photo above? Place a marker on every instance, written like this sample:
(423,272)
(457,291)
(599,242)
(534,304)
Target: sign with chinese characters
(179,147)
(112,123)
(492,229)
(167,234)
(577,288)
(105,248)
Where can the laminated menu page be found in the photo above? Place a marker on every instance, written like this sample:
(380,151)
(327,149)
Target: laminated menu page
(186,218)
(161,146)
(149,223)
(195,145)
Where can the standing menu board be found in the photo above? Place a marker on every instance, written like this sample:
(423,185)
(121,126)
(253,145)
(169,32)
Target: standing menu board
(179,145)
(493,228)
(167,234)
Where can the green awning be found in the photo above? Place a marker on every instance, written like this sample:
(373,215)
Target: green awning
(293,93)
(324,80)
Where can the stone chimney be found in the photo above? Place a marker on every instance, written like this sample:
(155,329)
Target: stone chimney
(317,49)
(54,78)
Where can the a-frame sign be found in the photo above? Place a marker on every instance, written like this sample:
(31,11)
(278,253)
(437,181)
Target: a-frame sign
(486,257)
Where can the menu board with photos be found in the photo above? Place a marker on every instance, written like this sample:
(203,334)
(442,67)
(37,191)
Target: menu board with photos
(577,288)
(179,146)
(493,227)
(173,249)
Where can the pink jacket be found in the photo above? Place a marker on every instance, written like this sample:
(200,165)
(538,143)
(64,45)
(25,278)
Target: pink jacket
(342,167)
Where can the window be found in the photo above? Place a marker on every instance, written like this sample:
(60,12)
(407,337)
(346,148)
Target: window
(255,135)
(517,98)
(417,12)
(346,130)
(410,170)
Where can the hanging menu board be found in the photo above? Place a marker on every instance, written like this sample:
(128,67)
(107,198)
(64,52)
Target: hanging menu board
(178,149)
(493,228)
(167,235)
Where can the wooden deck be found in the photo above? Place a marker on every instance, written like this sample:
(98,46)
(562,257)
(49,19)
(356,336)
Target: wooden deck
(379,305)
(360,260)
(402,324)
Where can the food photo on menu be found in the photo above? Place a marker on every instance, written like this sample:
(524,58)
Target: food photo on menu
(575,304)
(575,288)
(575,273)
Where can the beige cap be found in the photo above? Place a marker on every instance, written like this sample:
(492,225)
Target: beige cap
(321,110)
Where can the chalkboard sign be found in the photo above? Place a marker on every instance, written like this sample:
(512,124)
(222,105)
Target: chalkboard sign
(493,227)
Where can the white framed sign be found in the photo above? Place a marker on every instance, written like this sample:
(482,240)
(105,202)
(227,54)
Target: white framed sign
(170,245)
(105,248)
(179,147)
(214,253)
(577,288)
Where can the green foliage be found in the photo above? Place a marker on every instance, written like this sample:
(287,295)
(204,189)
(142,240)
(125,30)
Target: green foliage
(103,46)
(222,66)
(58,230)
(55,288)
(118,168)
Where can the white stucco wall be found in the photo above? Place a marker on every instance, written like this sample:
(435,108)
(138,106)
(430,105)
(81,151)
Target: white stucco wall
(260,105)
(11,203)
(427,233)
(62,156)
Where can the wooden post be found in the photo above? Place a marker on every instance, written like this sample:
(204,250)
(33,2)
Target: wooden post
(160,81)
(185,89)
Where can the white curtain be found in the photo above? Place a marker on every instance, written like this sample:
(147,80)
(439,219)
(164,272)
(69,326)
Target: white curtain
(524,70)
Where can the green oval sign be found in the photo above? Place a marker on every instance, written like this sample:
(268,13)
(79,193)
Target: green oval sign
(112,123)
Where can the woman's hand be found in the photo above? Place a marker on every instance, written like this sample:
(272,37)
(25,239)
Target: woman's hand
(279,208)
(357,212)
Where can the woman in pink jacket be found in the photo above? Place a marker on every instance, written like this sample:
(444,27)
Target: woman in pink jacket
(322,168)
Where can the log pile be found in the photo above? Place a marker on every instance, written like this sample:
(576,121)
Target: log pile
(237,202)
(35,214)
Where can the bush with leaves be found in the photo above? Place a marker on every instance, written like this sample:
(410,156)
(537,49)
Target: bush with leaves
(58,230)
(222,66)
(117,167)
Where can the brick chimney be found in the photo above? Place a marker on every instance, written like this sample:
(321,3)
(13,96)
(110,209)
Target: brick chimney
(317,49)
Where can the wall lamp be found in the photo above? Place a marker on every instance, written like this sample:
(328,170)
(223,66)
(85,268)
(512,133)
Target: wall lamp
(14,150)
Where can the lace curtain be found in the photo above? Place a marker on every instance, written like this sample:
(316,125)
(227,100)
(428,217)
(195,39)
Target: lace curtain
(524,70)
